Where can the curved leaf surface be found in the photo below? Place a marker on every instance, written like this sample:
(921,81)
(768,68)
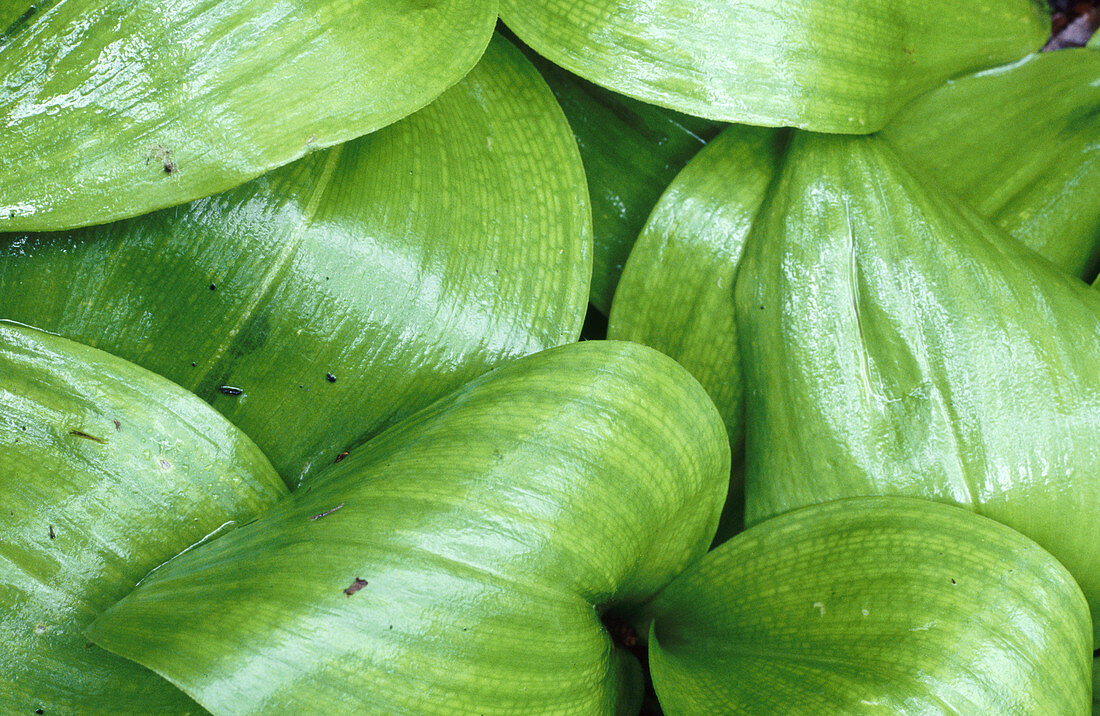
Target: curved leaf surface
(458,561)
(113,109)
(874,605)
(1021,144)
(676,294)
(893,342)
(106,471)
(326,300)
(631,151)
(835,66)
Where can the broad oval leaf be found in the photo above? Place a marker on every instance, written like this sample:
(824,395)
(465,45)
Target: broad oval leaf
(106,471)
(328,299)
(113,109)
(874,605)
(1021,144)
(830,66)
(893,342)
(631,151)
(461,558)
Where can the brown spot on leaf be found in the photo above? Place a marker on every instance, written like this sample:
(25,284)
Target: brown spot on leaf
(86,436)
(163,156)
(355,587)
(341,456)
(118,427)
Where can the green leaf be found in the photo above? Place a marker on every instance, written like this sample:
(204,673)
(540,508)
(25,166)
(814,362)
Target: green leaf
(461,559)
(880,605)
(1021,144)
(631,151)
(114,109)
(676,294)
(893,342)
(106,471)
(401,264)
(826,65)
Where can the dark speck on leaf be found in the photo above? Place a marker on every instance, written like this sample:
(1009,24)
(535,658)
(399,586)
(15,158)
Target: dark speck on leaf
(118,427)
(39,711)
(53,535)
(86,436)
(229,390)
(330,377)
(192,364)
(326,513)
(355,587)
(341,456)
(953,581)
(213,287)
(169,167)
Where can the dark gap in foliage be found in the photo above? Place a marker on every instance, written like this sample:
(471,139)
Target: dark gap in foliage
(1073,23)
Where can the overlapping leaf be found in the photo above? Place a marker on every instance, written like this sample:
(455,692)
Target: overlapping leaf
(631,151)
(676,293)
(1021,144)
(835,66)
(106,471)
(459,561)
(873,605)
(110,110)
(893,342)
(345,291)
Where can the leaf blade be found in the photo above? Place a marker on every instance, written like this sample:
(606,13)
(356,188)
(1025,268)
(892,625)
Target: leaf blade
(114,111)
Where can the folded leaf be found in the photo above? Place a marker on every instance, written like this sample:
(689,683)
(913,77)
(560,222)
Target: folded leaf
(826,65)
(115,109)
(1021,144)
(106,471)
(631,151)
(676,293)
(462,557)
(326,300)
(893,342)
(876,605)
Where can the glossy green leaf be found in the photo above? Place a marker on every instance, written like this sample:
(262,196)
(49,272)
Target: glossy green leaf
(399,265)
(106,471)
(676,294)
(631,151)
(875,605)
(826,65)
(893,342)
(114,109)
(460,561)
(1021,144)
